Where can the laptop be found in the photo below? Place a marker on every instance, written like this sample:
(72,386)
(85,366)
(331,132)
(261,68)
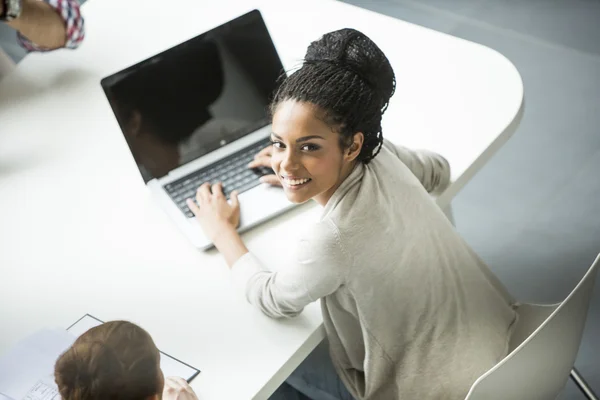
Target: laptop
(198,112)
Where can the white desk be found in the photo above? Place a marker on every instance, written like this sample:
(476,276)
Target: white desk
(80,234)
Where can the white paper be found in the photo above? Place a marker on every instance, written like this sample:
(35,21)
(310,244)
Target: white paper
(169,365)
(27,370)
(43,390)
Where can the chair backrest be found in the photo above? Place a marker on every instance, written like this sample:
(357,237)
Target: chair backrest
(538,368)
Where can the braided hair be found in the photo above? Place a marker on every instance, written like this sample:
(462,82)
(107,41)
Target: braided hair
(350,81)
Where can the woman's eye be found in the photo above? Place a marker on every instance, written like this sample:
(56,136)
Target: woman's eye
(310,147)
(277,145)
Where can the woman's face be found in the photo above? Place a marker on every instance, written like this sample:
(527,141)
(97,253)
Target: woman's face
(307,157)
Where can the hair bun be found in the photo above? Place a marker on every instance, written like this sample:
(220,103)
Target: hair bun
(354,51)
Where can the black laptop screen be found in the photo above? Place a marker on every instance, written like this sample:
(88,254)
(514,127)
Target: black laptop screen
(196,97)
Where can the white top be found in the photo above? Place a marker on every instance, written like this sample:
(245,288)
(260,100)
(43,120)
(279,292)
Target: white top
(410,311)
(80,233)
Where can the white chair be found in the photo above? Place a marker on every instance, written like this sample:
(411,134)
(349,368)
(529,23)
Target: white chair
(542,351)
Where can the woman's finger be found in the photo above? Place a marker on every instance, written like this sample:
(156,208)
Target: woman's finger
(203,193)
(217,190)
(193,206)
(235,202)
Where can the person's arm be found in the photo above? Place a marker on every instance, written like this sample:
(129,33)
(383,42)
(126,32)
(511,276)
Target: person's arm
(430,168)
(319,270)
(49,24)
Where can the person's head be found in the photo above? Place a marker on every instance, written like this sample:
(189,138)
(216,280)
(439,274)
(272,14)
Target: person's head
(114,361)
(327,114)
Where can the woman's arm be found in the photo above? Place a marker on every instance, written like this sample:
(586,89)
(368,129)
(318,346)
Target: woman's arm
(230,245)
(319,269)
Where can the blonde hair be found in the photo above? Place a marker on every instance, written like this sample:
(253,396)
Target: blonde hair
(117,360)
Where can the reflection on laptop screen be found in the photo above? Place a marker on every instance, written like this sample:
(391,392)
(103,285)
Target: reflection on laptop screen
(196,97)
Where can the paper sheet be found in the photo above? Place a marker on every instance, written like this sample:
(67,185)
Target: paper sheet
(26,370)
(43,390)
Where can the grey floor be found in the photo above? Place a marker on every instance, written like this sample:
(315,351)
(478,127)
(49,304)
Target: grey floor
(533,213)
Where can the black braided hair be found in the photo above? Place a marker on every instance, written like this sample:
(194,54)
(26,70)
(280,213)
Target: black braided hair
(350,81)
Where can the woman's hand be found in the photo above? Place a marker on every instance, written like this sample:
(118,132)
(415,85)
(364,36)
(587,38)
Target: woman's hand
(213,212)
(178,389)
(263,160)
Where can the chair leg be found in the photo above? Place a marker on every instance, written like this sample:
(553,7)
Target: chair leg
(582,385)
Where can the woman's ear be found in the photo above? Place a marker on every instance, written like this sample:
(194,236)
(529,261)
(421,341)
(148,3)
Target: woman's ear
(355,147)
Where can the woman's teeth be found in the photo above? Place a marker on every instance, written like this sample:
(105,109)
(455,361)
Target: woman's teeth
(295,182)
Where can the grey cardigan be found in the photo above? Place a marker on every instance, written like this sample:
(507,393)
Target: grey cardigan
(411,312)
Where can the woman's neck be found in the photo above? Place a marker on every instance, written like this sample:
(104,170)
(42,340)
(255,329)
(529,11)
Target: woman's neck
(345,171)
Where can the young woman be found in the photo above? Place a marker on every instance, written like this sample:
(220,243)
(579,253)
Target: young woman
(119,361)
(410,311)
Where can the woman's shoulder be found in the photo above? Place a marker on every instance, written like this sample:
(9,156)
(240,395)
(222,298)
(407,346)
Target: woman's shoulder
(322,239)
(324,233)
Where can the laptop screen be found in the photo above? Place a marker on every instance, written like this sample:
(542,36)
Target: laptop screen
(196,97)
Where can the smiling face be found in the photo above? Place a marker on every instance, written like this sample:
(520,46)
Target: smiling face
(307,156)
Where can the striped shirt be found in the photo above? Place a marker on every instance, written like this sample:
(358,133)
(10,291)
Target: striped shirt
(70,12)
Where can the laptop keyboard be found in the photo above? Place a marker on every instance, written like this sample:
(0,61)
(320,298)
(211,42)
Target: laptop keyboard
(232,171)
